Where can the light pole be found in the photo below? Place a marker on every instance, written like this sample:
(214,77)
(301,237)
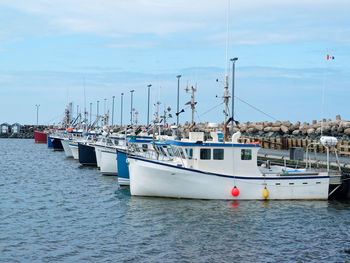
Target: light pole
(97,112)
(148,86)
(132,93)
(105,113)
(90,111)
(121,110)
(178,94)
(37,114)
(233,88)
(113,111)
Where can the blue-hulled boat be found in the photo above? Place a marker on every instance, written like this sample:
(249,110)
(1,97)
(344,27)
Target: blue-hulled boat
(87,154)
(49,142)
(123,168)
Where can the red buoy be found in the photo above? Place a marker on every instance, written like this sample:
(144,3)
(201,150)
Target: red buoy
(235,191)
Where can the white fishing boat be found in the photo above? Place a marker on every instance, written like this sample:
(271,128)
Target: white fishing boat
(70,137)
(218,170)
(108,163)
(107,143)
(108,155)
(67,151)
(73,145)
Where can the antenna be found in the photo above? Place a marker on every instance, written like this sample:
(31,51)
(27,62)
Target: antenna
(323,93)
(226,93)
(227,36)
(85,112)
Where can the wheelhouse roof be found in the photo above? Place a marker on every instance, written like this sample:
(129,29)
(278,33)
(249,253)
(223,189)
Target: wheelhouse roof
(210,144)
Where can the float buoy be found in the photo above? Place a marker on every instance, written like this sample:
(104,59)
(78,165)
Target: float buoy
(265,193)
(235,191)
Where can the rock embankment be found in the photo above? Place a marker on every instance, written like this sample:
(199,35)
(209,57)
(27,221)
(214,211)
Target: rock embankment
(337,128)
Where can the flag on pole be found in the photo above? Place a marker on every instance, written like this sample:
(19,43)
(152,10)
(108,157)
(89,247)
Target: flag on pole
(329,57)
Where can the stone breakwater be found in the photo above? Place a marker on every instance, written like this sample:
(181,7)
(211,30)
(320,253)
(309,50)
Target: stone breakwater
(26,132)
(337,128)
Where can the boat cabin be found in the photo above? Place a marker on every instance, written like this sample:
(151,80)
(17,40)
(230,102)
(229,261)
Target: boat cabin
(230,158)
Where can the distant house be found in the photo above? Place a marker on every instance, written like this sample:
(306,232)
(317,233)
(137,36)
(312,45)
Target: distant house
(4,128)
(16,128)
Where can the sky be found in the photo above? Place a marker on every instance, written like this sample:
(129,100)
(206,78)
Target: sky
(59,51)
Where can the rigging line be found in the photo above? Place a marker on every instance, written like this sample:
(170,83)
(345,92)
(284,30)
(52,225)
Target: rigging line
(198,115)
(212,108)
(255,108)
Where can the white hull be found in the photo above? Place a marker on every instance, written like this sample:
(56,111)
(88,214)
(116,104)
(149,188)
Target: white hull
(75,151)
(67,150)
(98,150)
(108,163)
(150,178)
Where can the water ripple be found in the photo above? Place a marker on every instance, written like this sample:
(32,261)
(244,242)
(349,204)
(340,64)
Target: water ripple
(54,210)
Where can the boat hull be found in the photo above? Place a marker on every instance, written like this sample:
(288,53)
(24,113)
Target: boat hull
(40,137)
(57,144)
(74,149)
(123,169)
(109,162)
(151,178)
(87,154)
(67,150)
(49,142)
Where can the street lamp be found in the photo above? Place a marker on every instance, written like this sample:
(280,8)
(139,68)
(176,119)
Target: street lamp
(90,111)
(121,110)
(233,88)
(105,113)
(37,113)
(178,93)
(148,86)
(113,110)
(97,112)
(132,93)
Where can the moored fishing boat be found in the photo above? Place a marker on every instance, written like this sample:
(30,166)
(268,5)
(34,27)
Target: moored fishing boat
(108,163)
(108,156)
(56,140)
(49,142)
(73,145)
(87,154)
(215,170)
(40,137)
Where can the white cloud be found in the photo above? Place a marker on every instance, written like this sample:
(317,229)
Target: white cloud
(108,17)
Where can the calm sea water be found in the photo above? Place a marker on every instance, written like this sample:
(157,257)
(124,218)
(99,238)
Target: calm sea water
(54,210)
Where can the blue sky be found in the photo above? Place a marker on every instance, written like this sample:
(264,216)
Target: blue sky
(49,49)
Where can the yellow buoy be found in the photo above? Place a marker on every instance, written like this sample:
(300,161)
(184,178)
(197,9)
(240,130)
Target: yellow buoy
(265,193)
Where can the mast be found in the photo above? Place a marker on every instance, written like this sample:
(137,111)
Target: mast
(226,96)
(192,102)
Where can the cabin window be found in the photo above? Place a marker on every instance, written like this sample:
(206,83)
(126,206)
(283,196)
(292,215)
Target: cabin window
(189,152)
(205,154)
(144,147)
(182,153)
(170,151)
(160,150)
(246,154)
(176,152)
(218,154)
